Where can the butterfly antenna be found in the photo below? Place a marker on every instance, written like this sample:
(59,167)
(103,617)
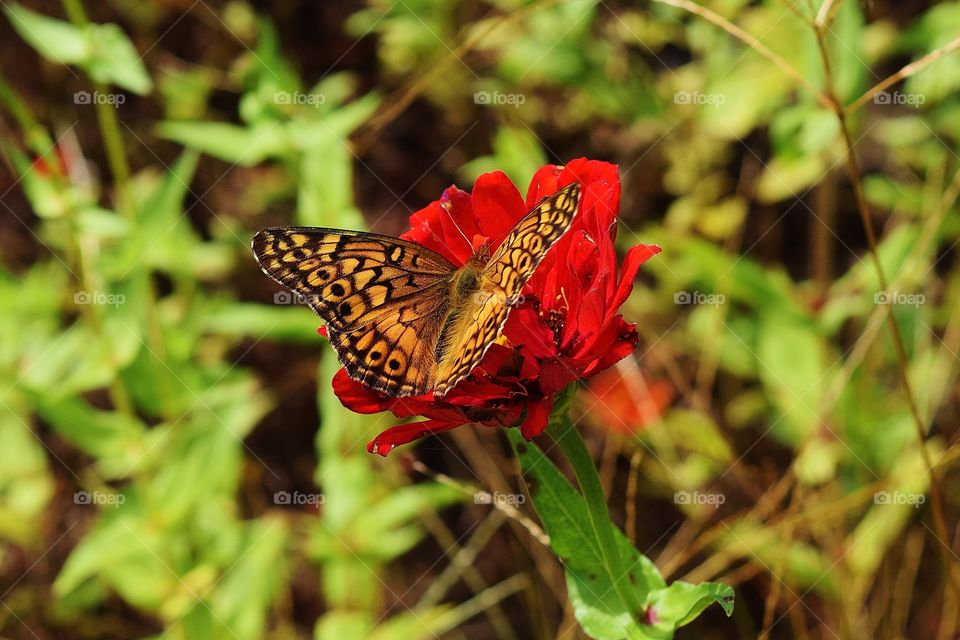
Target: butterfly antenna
(446,207)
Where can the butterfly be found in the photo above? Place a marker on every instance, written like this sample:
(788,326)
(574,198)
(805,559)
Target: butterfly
(402,318)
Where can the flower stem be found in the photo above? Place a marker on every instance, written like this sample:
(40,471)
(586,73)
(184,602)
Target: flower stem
(565,434)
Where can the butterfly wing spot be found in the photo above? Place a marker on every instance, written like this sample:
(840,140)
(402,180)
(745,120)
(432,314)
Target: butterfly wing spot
(374,355)
(309,264)
(535,244)
(522,259)
(319,277)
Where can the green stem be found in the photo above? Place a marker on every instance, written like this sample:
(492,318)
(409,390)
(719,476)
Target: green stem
(116,154)
(75,12)
(34,135)
(109,126)
(565,434)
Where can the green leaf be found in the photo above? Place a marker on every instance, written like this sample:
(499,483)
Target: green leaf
(325,194)
(285,322)
(228,142)
(99,433)
(590,582)
(892,510)
(791,362)
(55,40)
(789,176)
(26,485)
(114,60)
(124,553)
(242,598)
(516,151)
(845,47)
(682,602)
(102,50)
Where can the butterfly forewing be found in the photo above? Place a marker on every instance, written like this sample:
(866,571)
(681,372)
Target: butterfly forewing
(502,281)
(347,276)
(383,299)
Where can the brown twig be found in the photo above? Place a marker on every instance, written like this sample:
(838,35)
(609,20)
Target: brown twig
(751,42)
(825,14)
(853,168)
(905,72)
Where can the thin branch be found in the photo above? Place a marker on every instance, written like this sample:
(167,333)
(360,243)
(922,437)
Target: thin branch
(753,43)
(853,168)
(905,72)
(825,14)
(508,510)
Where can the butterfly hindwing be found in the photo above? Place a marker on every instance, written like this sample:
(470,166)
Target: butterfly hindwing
(501,282)
(471,337)
(394,354)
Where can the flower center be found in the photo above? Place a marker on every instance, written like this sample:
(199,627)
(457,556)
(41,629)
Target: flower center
(554,317)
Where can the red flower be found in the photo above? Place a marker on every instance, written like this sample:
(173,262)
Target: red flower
(625,404)
(568,327)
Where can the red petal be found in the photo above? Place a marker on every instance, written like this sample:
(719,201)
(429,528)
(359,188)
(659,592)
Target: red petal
(635,257)
(537,417)
(357,397)
(614,344)
(444,226)
(497,205)
(579,284)
(360,398)
(543,183)
(588,171)
(555,375)
(526,329)
(404,433)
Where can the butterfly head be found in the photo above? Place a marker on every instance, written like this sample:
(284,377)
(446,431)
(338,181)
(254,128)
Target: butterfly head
(481,250)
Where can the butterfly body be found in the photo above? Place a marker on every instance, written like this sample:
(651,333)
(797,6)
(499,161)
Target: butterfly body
(402,318)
